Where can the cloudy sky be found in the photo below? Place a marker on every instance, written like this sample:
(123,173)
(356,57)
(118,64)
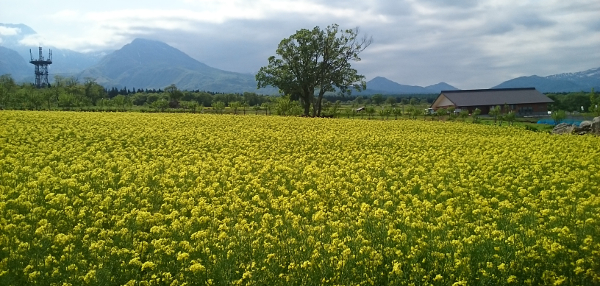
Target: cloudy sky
(466,43)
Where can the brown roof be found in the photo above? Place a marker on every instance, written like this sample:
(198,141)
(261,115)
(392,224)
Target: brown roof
(499,96)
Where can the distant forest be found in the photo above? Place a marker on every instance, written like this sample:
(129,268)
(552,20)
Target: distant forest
(572,101)
(68,93)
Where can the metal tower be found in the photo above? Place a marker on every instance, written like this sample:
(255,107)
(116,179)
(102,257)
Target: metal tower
(41,68)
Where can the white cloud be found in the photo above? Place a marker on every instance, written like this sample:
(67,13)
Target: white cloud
(6,31)
(65,15)
(33,40)
(113,28)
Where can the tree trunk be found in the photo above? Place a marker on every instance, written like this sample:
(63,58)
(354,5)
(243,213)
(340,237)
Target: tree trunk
(319,101)
(306,106)
(314,104)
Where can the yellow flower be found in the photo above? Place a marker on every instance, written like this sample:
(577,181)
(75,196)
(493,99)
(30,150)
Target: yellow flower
(182,256)
(240,198)
(197,267)
(148,265)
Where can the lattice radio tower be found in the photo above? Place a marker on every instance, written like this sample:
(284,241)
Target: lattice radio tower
(41,68)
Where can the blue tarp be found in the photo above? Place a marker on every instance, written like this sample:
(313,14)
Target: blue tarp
(568,121)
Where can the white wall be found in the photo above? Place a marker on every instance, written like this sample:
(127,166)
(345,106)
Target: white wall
(441,102)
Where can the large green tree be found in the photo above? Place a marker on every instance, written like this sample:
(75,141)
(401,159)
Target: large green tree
(313,62)
(174,95)
(93,91)
(377,99)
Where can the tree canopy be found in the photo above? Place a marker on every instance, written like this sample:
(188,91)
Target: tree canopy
(315,61)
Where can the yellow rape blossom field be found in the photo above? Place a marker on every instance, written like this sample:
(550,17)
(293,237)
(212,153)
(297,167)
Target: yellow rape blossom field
(193,199)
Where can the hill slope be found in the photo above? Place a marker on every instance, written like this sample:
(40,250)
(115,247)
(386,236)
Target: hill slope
(153,64)
(385,86)
(12,63)
(438,87)
(565,82)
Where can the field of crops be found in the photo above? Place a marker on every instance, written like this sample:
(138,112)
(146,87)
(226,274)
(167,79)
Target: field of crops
(174,199)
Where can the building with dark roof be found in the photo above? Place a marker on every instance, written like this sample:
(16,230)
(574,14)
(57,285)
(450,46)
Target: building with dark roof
(523,101)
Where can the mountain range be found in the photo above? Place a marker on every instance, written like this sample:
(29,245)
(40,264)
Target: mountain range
(151,64)
(564,82)
(383,85)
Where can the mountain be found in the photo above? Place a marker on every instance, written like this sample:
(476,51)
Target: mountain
(565,82)
(587,79)
(12,63)
(438,87)
(385,86)
(152,64)
(64,61)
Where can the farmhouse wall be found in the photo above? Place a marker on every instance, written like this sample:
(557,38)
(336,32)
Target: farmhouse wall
(532,109)
(442,102)
(519,109)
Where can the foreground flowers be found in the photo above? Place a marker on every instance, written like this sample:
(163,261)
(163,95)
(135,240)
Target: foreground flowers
(155,199)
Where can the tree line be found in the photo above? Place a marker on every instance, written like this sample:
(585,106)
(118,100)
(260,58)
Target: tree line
(576,102)
(67,93)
